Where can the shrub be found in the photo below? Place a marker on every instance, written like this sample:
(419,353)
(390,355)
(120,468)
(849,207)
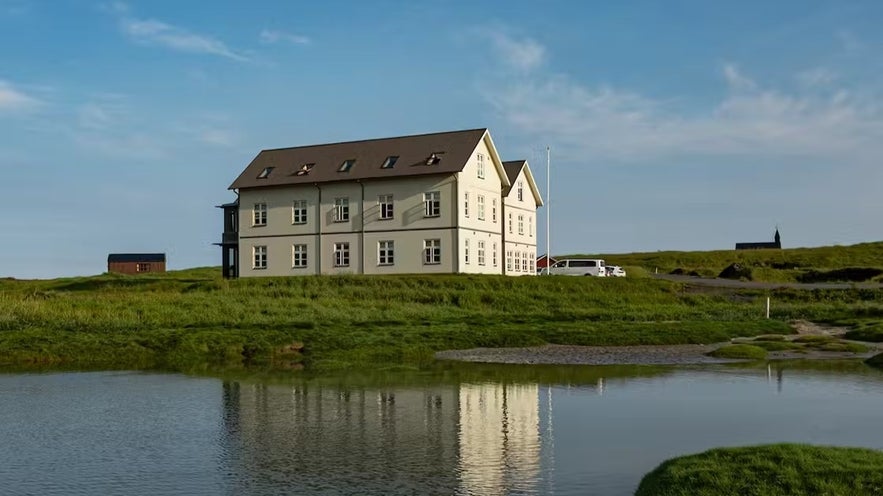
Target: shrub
(740,351)
(872,333)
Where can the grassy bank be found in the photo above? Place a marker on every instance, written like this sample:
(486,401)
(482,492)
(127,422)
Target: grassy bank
(780,470)
(855,263)
(192,316)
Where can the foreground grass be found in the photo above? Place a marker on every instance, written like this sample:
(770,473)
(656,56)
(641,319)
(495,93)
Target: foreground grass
(822,264)
(185,317)
(773,470)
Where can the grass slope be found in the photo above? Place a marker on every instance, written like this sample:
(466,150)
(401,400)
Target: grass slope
(772,470)
(194,316)
(787,265)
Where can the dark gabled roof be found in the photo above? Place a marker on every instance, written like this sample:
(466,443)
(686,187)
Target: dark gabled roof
(512,168)
(136,257)
(453,148)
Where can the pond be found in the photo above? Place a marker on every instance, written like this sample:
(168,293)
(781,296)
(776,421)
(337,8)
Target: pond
(458,429)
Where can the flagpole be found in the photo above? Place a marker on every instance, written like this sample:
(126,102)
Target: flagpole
(548,210)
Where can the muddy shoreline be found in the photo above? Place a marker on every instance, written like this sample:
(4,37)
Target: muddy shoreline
(687,354)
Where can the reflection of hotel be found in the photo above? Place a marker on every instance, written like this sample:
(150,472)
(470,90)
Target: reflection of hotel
(457,439)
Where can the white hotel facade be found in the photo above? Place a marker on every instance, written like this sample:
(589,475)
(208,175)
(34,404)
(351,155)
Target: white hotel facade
(431,203)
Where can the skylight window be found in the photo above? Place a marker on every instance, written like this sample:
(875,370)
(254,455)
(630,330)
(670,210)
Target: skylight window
(304,170)
(433,159)
(265,173)
(346,165)
(390,162)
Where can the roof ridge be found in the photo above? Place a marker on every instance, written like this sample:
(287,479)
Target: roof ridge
(374,139)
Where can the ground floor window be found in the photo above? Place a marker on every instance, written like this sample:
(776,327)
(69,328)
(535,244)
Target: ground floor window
(341,254)
(431,251)
(466,251)
(494,254)
(259,257)
(524,262)
(299,256)
(142,267)
(481,254)
(517,261)
(509,261)
(385,252)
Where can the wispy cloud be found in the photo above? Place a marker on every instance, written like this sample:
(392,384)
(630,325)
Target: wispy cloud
(269,36)
(817,77)
(15,99)
(523,54)
(155,32)
(750,120)
(735,79)
(850,43)
(218,137)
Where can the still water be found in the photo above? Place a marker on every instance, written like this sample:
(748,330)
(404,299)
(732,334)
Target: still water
(464,429)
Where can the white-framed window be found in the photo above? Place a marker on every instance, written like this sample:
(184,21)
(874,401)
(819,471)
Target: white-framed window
(530,225)
(431,251)
(517,261)
(342,254)
(481,257)
(259,214)
(259,257)
(520,224)
(510,222)
(298,256)
(299,212)
(494,210)
(466,204)
(509,261)
(341,209)
(480,200)
(480,165)
(385,252)
(386,206)
(533,263)
(431,204)
(466,251)
(524,262)
(520,190)
(494,254)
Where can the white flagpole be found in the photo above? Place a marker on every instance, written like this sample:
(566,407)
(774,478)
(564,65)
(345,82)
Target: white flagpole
(548,210)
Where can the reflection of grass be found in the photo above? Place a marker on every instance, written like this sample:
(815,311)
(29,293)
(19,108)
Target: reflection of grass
(876,361)
(180,319)
(781,469)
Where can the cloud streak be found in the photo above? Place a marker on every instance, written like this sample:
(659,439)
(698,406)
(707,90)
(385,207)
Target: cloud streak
(270,37)
(522,54)
(14,99)
(154,32)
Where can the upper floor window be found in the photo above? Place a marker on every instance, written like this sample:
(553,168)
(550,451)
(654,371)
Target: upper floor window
(510,222)
(466,204)
(385,252)
(431,251)
(386,206)
(520,190)
(520,224)
(432,204)
(299,212)
(481,253)
(341,254)
(341,209)
(390,162)
(480,165)
(265,173)
(298,256)
(346,165)
(480,201)
(494,210)
(259,257)
(259,214)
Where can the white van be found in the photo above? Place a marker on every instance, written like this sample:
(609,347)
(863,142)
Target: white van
(578,267)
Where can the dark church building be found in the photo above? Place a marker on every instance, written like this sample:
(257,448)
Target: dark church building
(775,244)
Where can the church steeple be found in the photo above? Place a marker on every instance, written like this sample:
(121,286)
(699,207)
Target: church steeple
(777,239)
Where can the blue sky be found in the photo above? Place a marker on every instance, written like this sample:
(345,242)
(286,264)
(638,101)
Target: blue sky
(673,125)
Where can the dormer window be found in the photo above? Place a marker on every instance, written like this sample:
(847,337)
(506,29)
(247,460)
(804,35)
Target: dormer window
(346,165)
(265,173)
(304,170)
(433,159)
(389,162)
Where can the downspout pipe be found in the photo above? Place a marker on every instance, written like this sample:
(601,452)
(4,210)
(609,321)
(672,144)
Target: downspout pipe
(456,223)
(362,224)
(318,230)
